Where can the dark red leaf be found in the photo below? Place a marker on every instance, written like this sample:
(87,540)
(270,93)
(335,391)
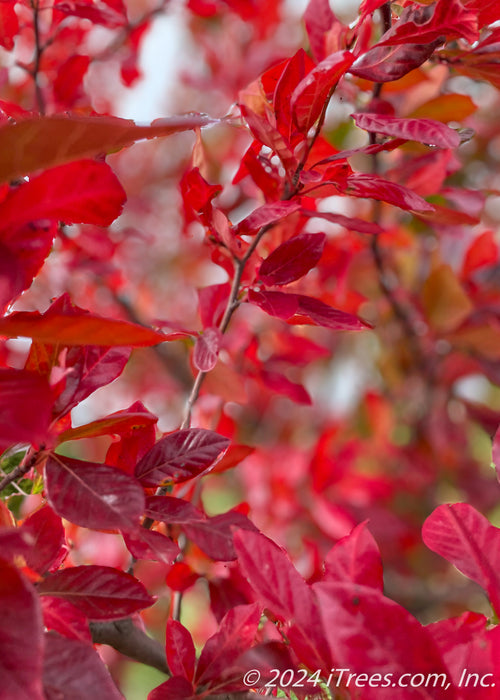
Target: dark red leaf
(280,384)
(292,259)
(109,14)
(355,558)
(18,389)
(15,541)
(36,142)
(93,495)
(309,97)
(73,669)
(181,654)
(176,688)
(236,633)
(148,544)
(63,617)
(206,349)
(382,64)
(76,328)
(212,302)
(421,25)
(320,20)
(273,577)
(172,510)
(100,592)
(364,185)
(269,136)
(90,367)
(426,131)
(180,456)
(278,304)
(83,192)
(282,590)
(322,314)
(21,641)
(214,536)
(349,222)
(46,529)
(285,306)
(466,539)
(266,215)
(369,633)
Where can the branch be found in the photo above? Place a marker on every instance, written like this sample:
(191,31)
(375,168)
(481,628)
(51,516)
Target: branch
(131,641)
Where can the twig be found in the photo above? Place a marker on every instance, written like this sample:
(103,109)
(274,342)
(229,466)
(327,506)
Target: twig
(131,641)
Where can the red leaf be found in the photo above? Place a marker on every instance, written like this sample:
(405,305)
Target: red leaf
(93,495)
(236,633)
(68,86)
(148,544)
(426,131)
(278,304)
(421,25)
(35,143)
(46,529)
(18,389)
(280,384)
(86,191)
(212,302)
(356,559)
(309,97)
(181,576)
(63,617)
(266,215)
(180,456)
(369,633)
(90,367)
(382,64)
(172,510)
(361,185)
(366,7)
(322,314)
(348,222)
(292,259)
(273,577)
(282,590)
(466,539)
(206,349)
(214,536)
(268,135)
(119,423)
(319,20)
(181,654)
(9,24)
(285,306)
(76,328)
(176,688)
(73,669)
(109,14)
(100,592)
(21,642)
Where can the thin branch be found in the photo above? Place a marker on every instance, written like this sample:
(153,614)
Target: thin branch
(131,641)
(29,461)
(35,72)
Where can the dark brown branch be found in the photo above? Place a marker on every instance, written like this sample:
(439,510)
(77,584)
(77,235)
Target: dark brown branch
(130,641)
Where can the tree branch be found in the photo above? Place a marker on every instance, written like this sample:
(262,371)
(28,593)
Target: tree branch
(131,641)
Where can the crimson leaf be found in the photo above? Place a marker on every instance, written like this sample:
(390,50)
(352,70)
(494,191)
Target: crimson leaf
(93,495)
(467,539)
(21,642)
(100,592)
(426,131)
(180,456)
(292,259)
